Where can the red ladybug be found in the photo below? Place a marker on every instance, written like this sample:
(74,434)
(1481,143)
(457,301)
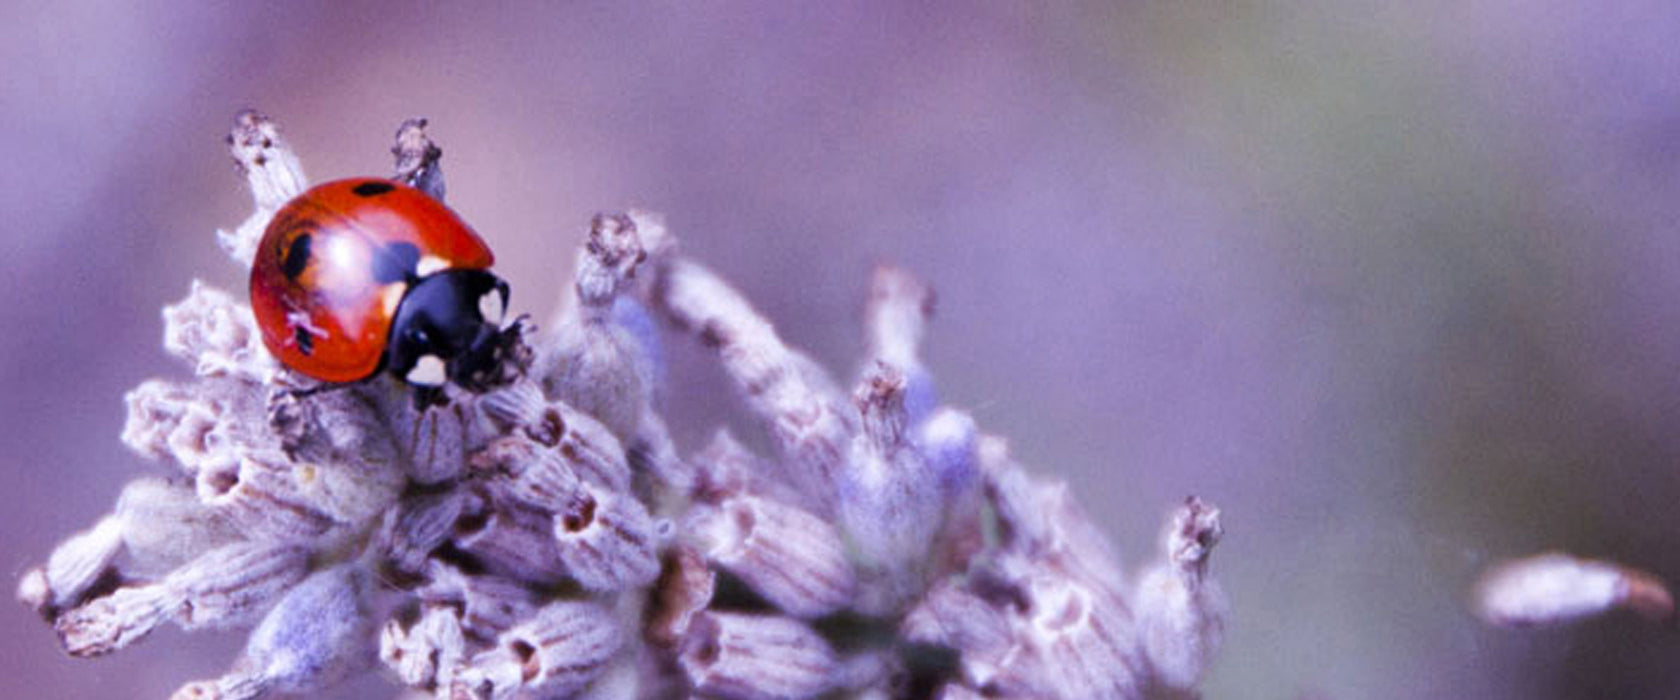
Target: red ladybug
(365,275)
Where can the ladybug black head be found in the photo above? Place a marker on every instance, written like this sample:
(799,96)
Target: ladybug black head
(448,330)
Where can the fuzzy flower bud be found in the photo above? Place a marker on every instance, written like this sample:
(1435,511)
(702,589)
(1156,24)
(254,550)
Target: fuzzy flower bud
(1554,588)
(753,657)
(1181,609)
(794,559)
(224,587)
(313,637)
(891,501)
(895,322)
(606,542)
(561,648)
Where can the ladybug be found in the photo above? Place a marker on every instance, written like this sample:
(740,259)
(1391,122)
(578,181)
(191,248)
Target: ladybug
(365,275)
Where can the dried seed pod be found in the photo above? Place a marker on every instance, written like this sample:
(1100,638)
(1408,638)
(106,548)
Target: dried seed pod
(224,587)
(592,452)
(754,657)
(726,468)
(1041,519)
(432,443)
(794,559)
(519,408)
(606,541)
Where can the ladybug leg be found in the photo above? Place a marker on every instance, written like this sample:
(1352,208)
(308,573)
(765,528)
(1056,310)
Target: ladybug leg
(428,397)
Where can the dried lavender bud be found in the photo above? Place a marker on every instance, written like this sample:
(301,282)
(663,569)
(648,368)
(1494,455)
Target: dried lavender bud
(606,541)
(427,654)
(1181,609)
(274,175)
(211,330)
(1041,519)
(726,468)
(529,473)
(891,501)
(557,651)
(195,425)
(1554,588)
(260,497)
(165,525)
(520,407)
(410,532)
(585,447)
(895,323)
(973,622)
(803,411)
(684,588)
(433,443)
(754,657)
(314,636)
(794,559)
(73,568)
(224,587)
(488,605)
(1075,644)
(948,440)
(509,541)
(418,159)
(593,363)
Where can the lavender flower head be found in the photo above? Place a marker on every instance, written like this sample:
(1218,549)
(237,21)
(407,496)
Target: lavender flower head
(547,539)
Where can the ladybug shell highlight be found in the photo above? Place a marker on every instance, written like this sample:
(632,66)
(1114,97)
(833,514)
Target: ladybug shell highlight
(337,261)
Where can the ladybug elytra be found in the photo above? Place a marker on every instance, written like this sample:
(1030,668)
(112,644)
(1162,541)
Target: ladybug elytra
(361,276)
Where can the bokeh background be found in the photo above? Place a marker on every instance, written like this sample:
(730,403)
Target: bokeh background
(1395,284)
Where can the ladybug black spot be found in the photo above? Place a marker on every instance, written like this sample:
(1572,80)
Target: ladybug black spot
(297,257)
(373,188)
(305,341)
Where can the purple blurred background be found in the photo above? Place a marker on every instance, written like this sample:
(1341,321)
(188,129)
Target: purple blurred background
(1397,285)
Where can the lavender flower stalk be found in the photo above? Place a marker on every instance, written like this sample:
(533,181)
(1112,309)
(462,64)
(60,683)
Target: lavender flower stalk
(546,538)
